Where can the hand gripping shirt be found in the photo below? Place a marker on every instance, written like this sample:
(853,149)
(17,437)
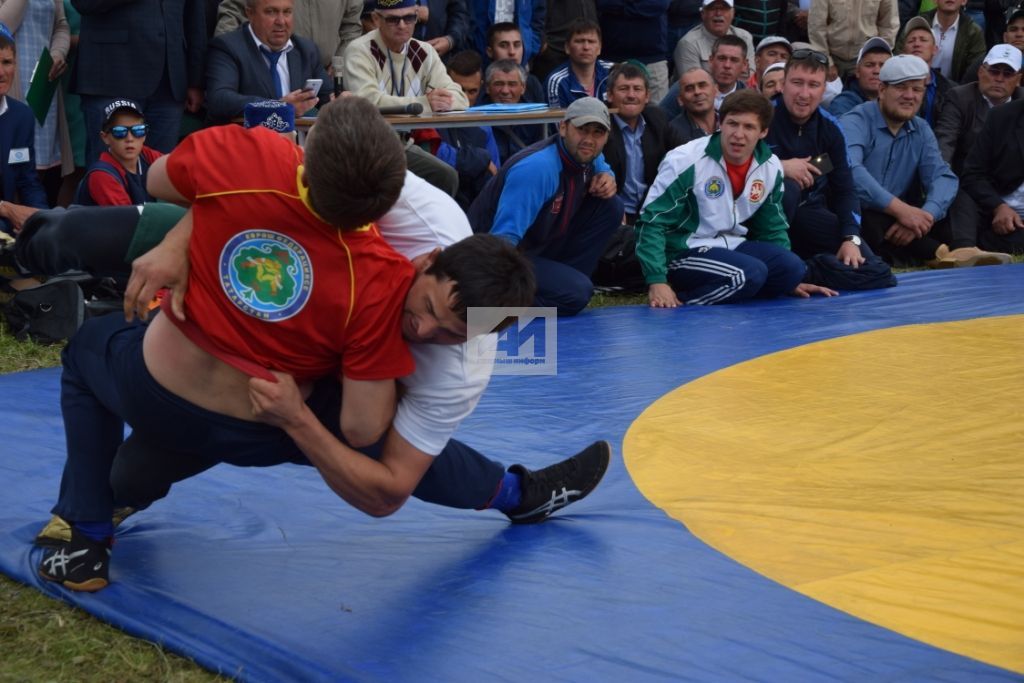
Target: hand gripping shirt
(270,281)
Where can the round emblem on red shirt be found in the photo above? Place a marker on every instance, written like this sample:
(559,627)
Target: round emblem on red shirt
(266,274)
(756,190)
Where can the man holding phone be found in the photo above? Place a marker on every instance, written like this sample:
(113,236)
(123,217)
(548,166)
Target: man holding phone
(820,199)
(263,60)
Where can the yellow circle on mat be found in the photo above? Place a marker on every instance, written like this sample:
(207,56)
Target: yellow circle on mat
(880,473)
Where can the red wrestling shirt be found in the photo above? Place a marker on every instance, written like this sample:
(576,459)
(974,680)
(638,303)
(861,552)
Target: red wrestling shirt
(272,283)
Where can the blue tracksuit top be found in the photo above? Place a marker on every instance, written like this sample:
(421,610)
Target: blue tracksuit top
(535,194)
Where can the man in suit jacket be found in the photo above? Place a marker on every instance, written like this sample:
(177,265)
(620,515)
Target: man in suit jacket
(639,138)
(263,60)
(18,178)
(963,115)
(994,177)
(331,24)
(150,51)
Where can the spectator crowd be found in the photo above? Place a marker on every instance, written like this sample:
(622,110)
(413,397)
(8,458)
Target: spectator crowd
(711,150)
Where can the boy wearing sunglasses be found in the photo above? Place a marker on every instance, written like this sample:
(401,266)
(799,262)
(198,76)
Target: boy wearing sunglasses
(119,177)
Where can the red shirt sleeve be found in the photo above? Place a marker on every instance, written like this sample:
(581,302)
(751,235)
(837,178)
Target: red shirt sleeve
(181,164)
(106,190)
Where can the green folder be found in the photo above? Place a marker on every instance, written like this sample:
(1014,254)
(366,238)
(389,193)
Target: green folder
(41,91)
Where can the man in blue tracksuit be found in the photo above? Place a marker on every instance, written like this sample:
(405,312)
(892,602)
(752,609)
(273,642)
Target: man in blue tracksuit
(556,200)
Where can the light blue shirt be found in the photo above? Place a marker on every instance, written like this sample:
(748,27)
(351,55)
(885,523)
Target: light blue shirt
(886,166)
(633,188)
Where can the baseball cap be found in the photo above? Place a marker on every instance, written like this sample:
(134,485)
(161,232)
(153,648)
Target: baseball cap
(915,23)
(6,32)
(276,115)
(775,67)
(1014,13)
(875,44)
(705,3)
(396,4)
(1004,54)
(773,40)
(119,105)
(588,110)
(902,68)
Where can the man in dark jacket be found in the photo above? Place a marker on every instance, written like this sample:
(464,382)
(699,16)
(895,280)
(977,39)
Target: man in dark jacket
(994,177)
(150,51)
(638,29)
(263,60)
(18,178)
(963,115)
(820,200)
(959,39)
(639,139)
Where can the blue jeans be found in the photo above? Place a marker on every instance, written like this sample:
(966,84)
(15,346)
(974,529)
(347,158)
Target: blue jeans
(715,275)
(105,384)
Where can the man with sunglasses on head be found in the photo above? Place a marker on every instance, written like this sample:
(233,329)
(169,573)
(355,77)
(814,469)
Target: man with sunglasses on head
(820,199)
(389,67)
(118,178)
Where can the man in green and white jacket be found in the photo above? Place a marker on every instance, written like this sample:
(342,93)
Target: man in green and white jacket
(712,229)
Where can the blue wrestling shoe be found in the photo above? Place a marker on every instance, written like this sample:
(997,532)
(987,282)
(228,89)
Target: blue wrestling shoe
(561,484)
(81,564)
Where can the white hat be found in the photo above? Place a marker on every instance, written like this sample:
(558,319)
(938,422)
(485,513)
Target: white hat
(903,68)
(875,44)
(705,3)
(1004,54)
(774,67)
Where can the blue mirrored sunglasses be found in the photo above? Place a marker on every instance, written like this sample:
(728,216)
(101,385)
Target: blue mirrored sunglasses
(121,132)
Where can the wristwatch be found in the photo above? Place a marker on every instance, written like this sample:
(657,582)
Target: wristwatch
(853,238)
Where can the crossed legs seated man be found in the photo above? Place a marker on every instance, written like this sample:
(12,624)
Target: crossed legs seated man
(200,384)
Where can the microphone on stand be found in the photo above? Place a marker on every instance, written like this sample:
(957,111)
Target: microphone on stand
(413,108)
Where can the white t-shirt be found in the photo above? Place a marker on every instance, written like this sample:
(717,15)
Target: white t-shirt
(448,381)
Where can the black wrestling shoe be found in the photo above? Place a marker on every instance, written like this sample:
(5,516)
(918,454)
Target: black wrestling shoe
(81,564)
(558,485)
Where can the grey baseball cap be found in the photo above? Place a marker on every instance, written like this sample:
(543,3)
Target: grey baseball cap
(773,40)
(875,44)
(914,24)
(903,68)
(588,110)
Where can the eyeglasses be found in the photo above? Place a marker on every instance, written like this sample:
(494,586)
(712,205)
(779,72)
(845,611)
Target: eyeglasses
(121,132)
(399,19)
(996,72)
(819,57)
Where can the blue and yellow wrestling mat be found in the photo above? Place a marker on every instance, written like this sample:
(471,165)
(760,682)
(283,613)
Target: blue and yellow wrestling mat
(803,490)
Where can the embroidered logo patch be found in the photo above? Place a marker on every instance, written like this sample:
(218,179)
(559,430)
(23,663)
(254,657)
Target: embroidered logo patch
(714,188)
(756,190)
(266,274)
(556,203)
